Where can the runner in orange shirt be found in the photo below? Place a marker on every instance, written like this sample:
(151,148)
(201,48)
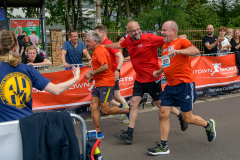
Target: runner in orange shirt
(180,88)
(116,63)
(102,92)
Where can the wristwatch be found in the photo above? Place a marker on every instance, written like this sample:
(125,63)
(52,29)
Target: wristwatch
(89,59)
(118,70)
(91,74)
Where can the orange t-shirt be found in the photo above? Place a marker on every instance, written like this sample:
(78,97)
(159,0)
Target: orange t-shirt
(180,70)
(100,57)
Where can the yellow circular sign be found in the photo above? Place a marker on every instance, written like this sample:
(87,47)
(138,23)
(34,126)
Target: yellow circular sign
(16,89)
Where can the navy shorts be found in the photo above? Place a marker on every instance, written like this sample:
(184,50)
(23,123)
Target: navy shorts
(105,94)
(153,88)
(182,95)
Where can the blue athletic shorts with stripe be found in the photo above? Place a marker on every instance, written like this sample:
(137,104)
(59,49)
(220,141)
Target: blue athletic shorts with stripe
(182,95)
(105,94)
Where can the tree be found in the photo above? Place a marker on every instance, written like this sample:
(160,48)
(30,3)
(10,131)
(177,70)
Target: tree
(127,9)
(203,15)
(31,12)
(163,10)
(223,10)
(68,13)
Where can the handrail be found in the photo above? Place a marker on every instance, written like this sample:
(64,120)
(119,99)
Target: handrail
(84,134)
(213,54)
(37,67)
(83,64)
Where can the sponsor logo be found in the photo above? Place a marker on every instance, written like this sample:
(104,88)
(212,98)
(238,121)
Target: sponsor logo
(141,45)
(91,88)
(217,68)
(188,97)
(171,48)
(16,89)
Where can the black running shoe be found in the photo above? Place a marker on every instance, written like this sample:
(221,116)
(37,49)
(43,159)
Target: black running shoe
(159,150)
(211,132)
(124,137)
(183,124)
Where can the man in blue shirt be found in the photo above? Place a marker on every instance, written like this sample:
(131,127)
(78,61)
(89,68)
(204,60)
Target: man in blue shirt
(72,51)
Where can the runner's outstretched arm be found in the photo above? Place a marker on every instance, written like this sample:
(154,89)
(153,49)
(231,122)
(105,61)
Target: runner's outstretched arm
(113,45)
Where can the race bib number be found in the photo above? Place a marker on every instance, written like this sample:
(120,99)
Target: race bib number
(165,61)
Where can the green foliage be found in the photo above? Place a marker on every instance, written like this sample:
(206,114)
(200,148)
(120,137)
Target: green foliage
(234,22)
(31,12)
(57,10)
(164,11)
(10,12)
(203,15)
(151,14)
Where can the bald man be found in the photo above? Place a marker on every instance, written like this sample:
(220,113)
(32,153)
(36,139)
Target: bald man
(142,50)
(211,41)
(180,88)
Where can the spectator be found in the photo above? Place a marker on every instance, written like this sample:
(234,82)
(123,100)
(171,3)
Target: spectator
(235,41)
(34,59)
(19,37)
(24,33)
(211,41)
(25,44)
(226,46)
(34,38)
(72,51)
(19,30)
(18,80)
(236,47)
(229,34)
(124,51)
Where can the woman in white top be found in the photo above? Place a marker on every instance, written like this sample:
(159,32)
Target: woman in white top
(226,46)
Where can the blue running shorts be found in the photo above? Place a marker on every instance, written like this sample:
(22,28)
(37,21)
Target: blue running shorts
(182,95)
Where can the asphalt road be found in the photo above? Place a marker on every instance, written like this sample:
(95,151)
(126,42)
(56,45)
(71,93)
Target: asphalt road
(191,144)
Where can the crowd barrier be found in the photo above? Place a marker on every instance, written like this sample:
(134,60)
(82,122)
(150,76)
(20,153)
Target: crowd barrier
(213,75)
(80,65)
(45,68)
(11,140)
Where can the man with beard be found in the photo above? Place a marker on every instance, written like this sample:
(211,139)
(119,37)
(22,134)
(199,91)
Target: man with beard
(142,50)
(211,41)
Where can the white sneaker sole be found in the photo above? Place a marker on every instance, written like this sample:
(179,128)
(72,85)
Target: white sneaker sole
(155,154)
